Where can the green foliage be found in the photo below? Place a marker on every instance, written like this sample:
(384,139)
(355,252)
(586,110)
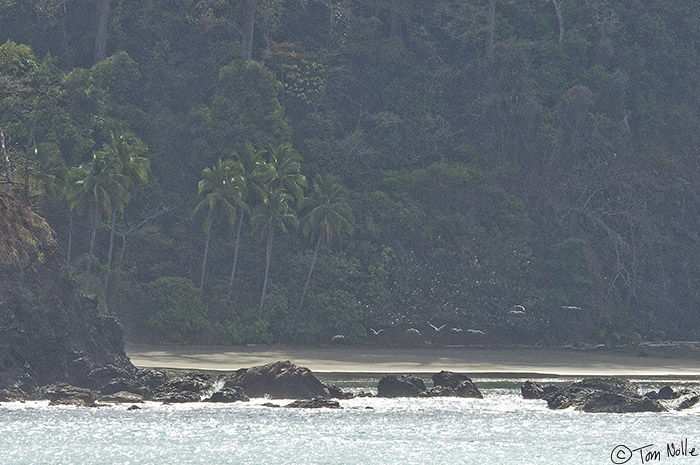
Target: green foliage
(177,313)
(485,168)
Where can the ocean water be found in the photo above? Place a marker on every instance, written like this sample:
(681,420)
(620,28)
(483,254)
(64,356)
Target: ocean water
(502,428)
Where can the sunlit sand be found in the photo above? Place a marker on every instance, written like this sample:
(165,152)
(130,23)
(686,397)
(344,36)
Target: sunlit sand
(564,362)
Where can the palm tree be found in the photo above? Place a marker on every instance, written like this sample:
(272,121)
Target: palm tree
(104,188)
(272,214)
(328,216)
(255,173)
(70,192)
(126,151)
(222,185)
(285,166)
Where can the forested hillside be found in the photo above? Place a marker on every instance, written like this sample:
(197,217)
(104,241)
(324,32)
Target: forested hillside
(242,171)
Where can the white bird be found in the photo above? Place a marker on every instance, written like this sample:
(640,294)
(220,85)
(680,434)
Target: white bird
(569,307)
(475,331)
(436,328)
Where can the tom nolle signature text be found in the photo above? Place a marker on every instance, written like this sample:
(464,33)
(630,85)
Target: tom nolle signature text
(651,453)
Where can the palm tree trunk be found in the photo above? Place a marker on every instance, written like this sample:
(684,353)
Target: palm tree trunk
(93,234)
(112,219)
(560,19)
(204,263)
(311,270)
(6,184)
(101,35)
(235,256)
(268,253)
(70,237)
(248,29)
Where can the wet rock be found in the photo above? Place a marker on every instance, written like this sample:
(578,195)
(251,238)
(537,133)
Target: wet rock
(534,390)
(122,397)
(229,394)
(609,395)
(689,402)
(190,388)
(66,394)
(279,380)
(439,391)
(122,384)
(316,402)
(12,395)
(271,405)
(461,384)
(105,374)
(134,407)
(334,392)
(151,378)
(400,386)
(665,393)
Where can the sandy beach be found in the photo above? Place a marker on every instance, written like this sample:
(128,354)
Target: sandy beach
(515,361)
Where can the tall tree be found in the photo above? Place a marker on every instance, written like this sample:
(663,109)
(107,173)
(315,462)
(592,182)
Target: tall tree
(102,17)
(248,29)
(105,190)
(328,216)
(274,213)
(285,164)
(126,150)
(254,174)
(221,186)
(5,168)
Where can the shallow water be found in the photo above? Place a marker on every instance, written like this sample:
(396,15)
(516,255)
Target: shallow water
(502,428)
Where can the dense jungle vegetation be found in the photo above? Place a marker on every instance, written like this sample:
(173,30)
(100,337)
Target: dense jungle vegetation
(242,171)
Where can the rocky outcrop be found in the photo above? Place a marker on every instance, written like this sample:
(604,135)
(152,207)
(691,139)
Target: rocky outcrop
(65,394)
(228,394)
(400,386)
(49,332)
(600,395)
(533,390)
(279,380)
(316,402)
(191,388)
(122,397)
(459,384)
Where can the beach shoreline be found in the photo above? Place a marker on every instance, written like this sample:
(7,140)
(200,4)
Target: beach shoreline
(483,361)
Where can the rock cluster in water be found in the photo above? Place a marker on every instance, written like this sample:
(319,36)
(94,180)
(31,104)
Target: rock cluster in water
(609,395)
(447,384)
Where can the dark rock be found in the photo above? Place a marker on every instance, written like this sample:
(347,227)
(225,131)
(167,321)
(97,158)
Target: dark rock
(103,375)
(122,384)
(449,379)
(134,407)
(271,405)
(279,380)
(66,394)
(228,394)
(151,378)
(334,392)
(190,388)
(533,390)
(689,402)
(611,402)
(12,395)
(468,389)
(439,391)
(613,395)
(665,393)
(400,386)
(316,402)
(49,332)
(122,397)
(460,383)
